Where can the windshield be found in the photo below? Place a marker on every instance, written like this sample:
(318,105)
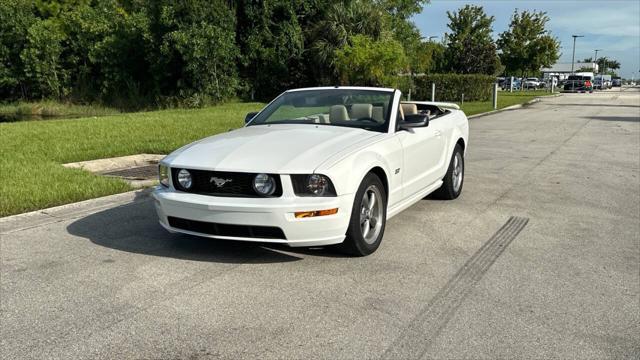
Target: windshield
(365,109)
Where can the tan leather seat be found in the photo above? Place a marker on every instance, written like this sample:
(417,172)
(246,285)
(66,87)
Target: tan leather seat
(338,113)
(400,116)
(359,111)
(323,119)
(377,114)
(409,109)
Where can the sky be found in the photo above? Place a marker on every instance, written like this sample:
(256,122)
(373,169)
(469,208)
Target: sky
(613,26)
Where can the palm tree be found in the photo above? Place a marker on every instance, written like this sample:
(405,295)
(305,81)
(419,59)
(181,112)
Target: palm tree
(341,21)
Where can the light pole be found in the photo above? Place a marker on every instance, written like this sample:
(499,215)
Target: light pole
(595,58)
(411,73)
(573,57)
(428,40)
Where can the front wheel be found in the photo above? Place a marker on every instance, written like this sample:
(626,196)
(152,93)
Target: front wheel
(454,179)
(368,218)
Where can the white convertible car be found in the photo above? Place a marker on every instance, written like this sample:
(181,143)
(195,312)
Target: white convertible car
(316,166)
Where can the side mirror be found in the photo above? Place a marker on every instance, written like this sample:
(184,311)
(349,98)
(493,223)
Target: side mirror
(414,121)
(249,117)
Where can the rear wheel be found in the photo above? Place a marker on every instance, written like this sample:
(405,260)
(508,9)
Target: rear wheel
(368,218)
(454,179)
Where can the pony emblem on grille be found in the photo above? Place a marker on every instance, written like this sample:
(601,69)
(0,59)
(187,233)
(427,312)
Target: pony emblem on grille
(219,182)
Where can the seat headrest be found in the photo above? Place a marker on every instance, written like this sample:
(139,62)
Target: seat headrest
(359,111)
(409,109)
(378,114)
(338,113)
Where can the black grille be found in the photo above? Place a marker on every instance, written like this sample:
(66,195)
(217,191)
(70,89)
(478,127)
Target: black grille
(222,183)
(248,231)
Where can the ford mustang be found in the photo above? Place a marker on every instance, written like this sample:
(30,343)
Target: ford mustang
(316,166)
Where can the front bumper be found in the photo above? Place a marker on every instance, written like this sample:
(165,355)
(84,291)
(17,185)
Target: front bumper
(271,212)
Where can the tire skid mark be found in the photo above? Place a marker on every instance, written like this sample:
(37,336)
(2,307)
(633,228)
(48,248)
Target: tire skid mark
(425,327)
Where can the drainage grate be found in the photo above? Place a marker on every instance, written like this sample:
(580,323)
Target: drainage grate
(146,172)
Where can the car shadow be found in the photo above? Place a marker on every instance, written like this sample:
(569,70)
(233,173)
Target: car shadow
(331,251)
(134,228)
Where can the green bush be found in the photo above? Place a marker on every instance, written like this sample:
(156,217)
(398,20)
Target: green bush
(137,54)
(43,74)
(450,87)
(16,17)
(366,61)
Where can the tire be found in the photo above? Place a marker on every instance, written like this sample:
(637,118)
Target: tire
(359,241)
(454,179)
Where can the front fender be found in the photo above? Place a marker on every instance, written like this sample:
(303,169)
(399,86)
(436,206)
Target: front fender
(347,173)
(460,131)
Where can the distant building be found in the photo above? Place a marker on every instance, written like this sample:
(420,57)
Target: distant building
(562,71)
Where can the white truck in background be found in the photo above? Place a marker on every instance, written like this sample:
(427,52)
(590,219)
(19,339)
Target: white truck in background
(602,82)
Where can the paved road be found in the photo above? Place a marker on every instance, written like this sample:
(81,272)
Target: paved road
(461,279)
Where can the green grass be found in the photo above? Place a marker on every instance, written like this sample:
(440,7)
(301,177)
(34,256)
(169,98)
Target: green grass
(16,111)
(505,99)
(31,152)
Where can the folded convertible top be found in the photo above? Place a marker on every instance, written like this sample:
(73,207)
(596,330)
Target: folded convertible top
(445,105)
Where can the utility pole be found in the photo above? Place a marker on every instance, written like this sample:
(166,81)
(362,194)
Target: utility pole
(573,57)
(595,59)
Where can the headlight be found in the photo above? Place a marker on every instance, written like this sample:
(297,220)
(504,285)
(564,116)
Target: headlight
(163,175)
(312,185)
(264,184)
(184,179)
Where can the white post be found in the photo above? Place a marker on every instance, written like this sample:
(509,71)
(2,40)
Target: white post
(495,96)
(511,84)
(409,96)
(462,102)
(433,91)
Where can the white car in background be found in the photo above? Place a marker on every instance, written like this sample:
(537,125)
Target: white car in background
(317,166)
(532,83)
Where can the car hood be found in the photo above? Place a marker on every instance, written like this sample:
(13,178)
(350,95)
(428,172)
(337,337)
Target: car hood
(281,148)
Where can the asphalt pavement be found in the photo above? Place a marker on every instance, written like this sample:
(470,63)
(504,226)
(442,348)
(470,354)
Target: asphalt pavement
(539,258)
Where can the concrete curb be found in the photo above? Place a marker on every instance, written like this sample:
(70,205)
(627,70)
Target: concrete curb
(513,107)
(59,213)
(116,163)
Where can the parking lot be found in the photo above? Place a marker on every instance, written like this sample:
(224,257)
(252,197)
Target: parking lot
(539,258)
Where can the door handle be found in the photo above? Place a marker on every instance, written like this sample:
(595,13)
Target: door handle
(438,133)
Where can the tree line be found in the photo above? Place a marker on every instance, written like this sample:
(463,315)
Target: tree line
(605,65)
(141,53)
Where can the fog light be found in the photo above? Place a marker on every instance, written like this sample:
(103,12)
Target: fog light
(264,184)
(306,214)
(184,179)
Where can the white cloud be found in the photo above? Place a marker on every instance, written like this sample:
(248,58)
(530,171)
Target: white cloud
(619,19)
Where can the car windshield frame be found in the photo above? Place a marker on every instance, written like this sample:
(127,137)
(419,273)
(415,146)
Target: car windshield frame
(306,98)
